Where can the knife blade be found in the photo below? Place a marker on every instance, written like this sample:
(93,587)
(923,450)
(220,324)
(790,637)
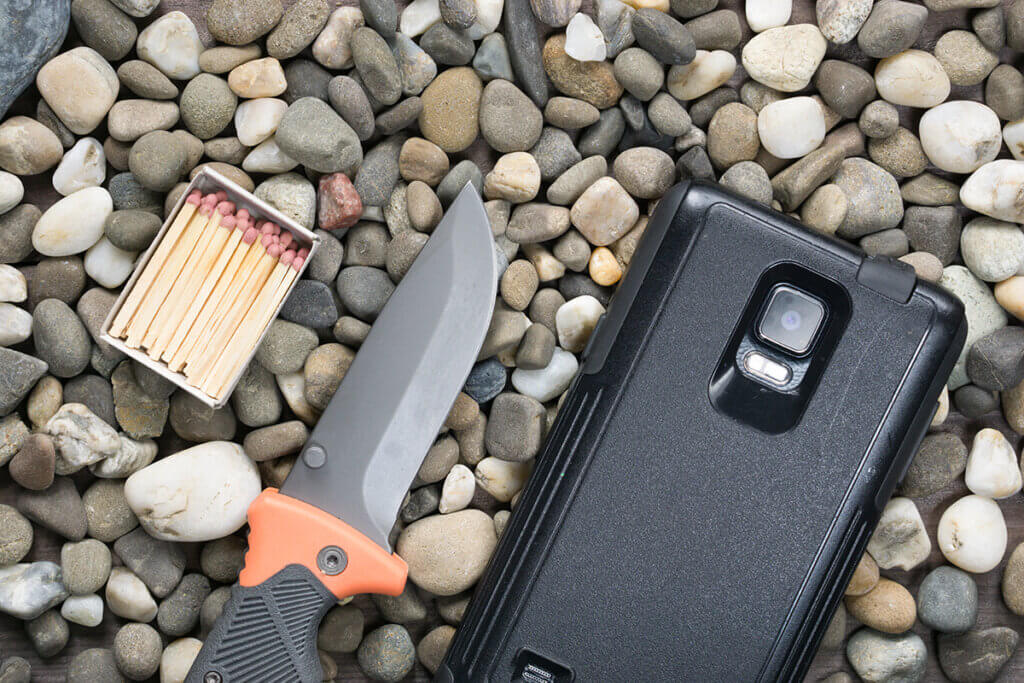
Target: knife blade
(324,535)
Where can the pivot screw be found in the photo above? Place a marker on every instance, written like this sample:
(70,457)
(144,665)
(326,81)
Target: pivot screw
(332,560)
(314,457)
(212,677)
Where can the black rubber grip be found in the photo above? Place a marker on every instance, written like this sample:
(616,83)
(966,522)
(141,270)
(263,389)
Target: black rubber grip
(267,633)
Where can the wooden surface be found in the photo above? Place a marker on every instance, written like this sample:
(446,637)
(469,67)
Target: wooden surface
(13,640)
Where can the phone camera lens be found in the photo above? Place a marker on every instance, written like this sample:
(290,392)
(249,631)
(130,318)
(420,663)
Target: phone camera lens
(791,319)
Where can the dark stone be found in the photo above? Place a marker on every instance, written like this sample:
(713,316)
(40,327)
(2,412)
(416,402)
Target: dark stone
(702,110)
(976,656)
(486,380)
(935,229)
(524,50)
(447,45)
(664,37)
(159,564)
(573,285)
(947,600)
(694,163)
(941,458)
(996,361)
(19,372)
(311,303)
(970,400)
(305,79)
(31,32)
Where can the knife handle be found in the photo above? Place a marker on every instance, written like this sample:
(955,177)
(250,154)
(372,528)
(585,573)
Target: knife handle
(300,561)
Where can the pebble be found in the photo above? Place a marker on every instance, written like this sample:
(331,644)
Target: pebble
(486,380)
(79,86)
(865,577)
(157,161)
(947,600)
(221,560)
(983,313)
(993,250)
(138,413)
(840,20)
(888,607)
(549,382)
(299,26)
(336,205)
(84,165)
(536,222)
(387,653)
(275,441)
(983,190)
(43,401)
(16,227)
(11,191)
(900,539)
(446,554)
(993,469)
(85,566)
(457,491)
(873,195)
(137,649)
(341,629)
(791,128)
(433,646)
(644,172)
(555,13)
(13,286)
(879,120)
(459,14)
(48,633)
(27,590)
(237,22)
(217,480)
(1003,90)
(15,670)
(178,613)
(402,251)
(84,610)
(18,374)
(27,147)
(976,655)
(509,121)
(593,82)
(940,459)
(15,324)
(707,71)
(964,58)
(324,370)
(86,209)
(784,58)
(584,41)
(128,597)
(877,656)
(450,109)
(934,229)
(131,230)
(285,347)
(177,659)
(376,65)
(61,339)
(900,154)
(492,59)
(972,534)
(912,78)
(94,664)
(892,27)
(960,136)
(258,78)
(604,212)
(314,135)
(171,44)
(32,467)
(418,16)
(15,536)
(422,160)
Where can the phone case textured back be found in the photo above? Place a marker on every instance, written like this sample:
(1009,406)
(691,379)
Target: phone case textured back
(659,539)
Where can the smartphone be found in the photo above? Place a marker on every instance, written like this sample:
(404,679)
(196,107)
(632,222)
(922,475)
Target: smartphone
(743,412)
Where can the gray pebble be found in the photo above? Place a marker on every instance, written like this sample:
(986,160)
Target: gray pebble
(947,600)
(879,656)
(140,414)
(228,150)
(692,8)
(976,656)
(212,607)
(892,26)
(311,304)
(137,651)
(94,664)
(569,113)
(33,465)
(750,180)
(973,402)
(16,232)
(466,171)
(104,28)
(160,564)
(537,222)
(85,566)
(351,331)
(521,36)
(405,608)
(874,198)
(62,278)
(285,347)
(223,58)
(879,120)
(1004,92)
(237,22)
(568,186)
(964,58)
(447,45)
(158,160)
(48,633)
(486,380)
(990,27)
(128,193)
(891,243)
(399,117)
(941,458)
(634,115)
(573,250)
(996,361)
(694,163)
(364,291)
(15,670)
(639,73)
(15,536)
(195,421)
(380,15)
(555,153)
(327,260)
(387,653)
(341,629)
(719,30)
(379,173)
(58,508)
(536,349)
(402,250)
(573,285)
(314,135)
(132,230)
(452,608)
(19,372)
(515,427)
(509,121)
(299,26)
(106,510)
(274,441)
(492,59)
(305,78)
(934,229)
(845,87)
(668,116)
(61,339)
(672,43)
(179,611)
(644,172)
(207,105)
(46,116)
(421,502)
(376,65)
(256,399)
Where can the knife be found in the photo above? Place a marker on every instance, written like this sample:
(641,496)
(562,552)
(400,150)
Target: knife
(324,535)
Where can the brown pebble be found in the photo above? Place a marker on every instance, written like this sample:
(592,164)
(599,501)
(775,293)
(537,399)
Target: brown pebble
(865,576)
(33,464)
(888,607)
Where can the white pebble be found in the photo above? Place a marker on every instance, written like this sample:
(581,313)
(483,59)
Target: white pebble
(707,71)
(913,78)
(785,58)
(983,312)
(198,494)
(488,16)
(80,437)
(84,610)
(502,478)
(515,178)
(84,165)
(418,16)
(293,389)
(972,534)
(942,410)
(15,324)
(550,381)
(960,136)
(267,157)
(765,14)
(1013,135)
(177,659)
(256,120)
(548,267)
(840,20)
(994,190)
(575,320)
(458,489)
(791,128)
(11,191)
(333,47)
(128,597)
(109,265)
(130,458)
(73,224)
(583,39)
(992,467)
(900,539)
(604,212)
(171,44)
(13,286)
(993,250)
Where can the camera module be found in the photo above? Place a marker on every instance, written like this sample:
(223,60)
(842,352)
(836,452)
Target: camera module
(791,319)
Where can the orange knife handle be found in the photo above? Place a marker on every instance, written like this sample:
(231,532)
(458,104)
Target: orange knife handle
(285,530)
(300,561)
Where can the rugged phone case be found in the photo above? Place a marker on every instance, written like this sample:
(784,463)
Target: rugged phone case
(661,539)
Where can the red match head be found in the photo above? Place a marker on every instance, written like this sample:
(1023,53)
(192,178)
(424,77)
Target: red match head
(194,198)
(228,222)
(224,208)
(274,250)
(267,228)
(287,256)
(287,238)
(297,263)
(268,240)
(303,253)
(243,213)
(250,235)
(221,195)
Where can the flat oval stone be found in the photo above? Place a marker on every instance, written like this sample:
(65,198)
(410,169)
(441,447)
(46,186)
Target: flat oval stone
(73,224)
(31,33)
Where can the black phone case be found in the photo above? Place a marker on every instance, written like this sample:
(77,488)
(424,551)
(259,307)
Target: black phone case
(661,540)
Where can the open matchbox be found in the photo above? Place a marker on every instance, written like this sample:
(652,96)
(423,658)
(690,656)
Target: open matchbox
(208,181)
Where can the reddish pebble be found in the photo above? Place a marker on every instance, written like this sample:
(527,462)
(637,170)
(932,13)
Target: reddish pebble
(339,203)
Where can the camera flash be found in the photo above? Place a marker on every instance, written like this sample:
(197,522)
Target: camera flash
(767,369)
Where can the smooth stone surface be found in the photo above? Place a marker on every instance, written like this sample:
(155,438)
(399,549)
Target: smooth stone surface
(913,78)
(73,224)
(880,657)
(784,58)
(947,600)
(900,539)
(972,534)
(960,136)
(447,553)
(984,314)
(27,590)
(171,44)
(33,32)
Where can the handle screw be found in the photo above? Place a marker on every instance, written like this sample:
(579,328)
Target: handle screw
(332,560)
(212,677)
(314,457)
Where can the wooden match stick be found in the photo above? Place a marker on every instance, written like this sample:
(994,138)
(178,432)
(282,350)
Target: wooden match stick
(250,236)
(237,280)
(196,266)
(254,281)
(211,279)
(152,269)
(169,272)
(248,330)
